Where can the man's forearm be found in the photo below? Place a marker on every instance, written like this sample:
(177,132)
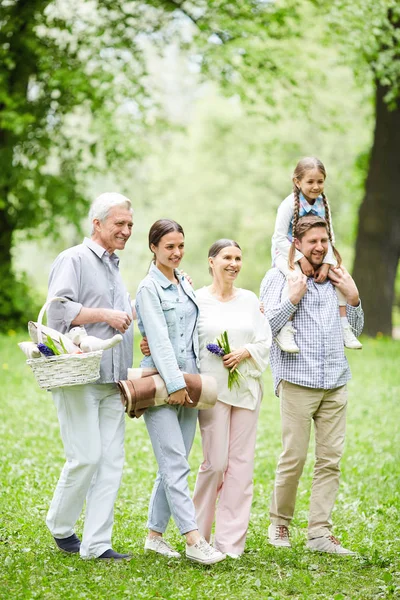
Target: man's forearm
(117,319)
(90,315)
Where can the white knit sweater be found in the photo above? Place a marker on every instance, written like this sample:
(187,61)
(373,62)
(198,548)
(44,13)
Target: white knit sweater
(246,327)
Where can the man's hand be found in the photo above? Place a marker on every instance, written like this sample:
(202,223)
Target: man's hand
(322,273)
(179,397)
(344,282)
(233,359)
(144,347)
(117,319)
(297,285)
(306,267)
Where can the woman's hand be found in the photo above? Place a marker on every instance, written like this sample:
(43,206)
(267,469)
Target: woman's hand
(144,347)
(322,273)
(233,359)
(179,397)
(306,267)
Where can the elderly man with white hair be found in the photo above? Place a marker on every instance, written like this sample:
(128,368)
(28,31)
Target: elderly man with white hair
(91,416)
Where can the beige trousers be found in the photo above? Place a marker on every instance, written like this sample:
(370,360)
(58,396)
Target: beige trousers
(299,407)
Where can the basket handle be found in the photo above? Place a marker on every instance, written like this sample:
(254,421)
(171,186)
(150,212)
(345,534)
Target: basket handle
(41,315)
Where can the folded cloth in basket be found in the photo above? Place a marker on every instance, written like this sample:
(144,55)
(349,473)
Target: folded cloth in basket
(145,388)
(55,335)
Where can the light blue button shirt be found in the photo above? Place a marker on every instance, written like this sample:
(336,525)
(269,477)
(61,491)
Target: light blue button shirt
(163,319)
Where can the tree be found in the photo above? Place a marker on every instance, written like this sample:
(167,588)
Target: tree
(88,58)
(49,69)
(371,31)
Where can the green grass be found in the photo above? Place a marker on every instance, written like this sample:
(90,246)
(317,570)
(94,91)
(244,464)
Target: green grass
(366,515)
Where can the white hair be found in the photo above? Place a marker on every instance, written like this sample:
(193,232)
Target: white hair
(104,203)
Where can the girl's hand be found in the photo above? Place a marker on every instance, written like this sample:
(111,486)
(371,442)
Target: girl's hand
(306,267)
(322,273)
(144,347)
(179,397)
(233,359)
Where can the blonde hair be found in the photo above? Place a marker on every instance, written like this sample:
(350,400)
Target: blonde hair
(304,165)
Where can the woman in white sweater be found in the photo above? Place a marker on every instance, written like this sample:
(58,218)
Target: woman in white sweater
(229,429)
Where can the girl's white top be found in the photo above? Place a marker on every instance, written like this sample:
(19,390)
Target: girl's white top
(246,327)
(282,238)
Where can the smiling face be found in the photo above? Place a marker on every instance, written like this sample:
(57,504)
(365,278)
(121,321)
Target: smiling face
(227,264)
(169,251)
(311,184)
(116,229)
(314,245)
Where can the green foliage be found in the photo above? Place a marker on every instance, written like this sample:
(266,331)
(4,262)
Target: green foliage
(62,65)
(369,34)
(18,302)
(365,517)
(77,98)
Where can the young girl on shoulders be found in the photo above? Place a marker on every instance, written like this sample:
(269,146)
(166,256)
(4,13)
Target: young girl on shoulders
(307,198)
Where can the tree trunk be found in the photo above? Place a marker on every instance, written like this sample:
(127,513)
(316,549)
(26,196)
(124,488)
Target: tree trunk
(378,238)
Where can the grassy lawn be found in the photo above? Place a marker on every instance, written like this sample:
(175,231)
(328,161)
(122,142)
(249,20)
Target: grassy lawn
(366,515)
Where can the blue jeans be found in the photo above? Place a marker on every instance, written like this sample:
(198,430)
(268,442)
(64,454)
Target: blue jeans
(171,429)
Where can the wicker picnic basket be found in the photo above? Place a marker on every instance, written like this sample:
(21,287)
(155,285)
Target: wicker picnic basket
(64,369)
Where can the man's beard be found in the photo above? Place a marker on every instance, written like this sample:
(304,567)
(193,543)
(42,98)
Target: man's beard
(315,264)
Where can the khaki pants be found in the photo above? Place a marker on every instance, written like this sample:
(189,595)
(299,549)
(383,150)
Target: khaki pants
(299,407)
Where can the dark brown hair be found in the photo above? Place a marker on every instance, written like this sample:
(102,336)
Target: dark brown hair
(219,245)
(304,165)
(160,228)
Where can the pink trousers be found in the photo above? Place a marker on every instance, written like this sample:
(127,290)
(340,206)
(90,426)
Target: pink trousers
(229,437)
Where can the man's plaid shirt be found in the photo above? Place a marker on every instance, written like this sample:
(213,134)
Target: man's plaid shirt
(321,362)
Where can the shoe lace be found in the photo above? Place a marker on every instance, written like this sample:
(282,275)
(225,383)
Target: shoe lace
(281,532)
(160,542)
(333,540)
(287,331)
(205,547)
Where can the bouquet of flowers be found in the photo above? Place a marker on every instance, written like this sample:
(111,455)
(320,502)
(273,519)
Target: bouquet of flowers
(220,348)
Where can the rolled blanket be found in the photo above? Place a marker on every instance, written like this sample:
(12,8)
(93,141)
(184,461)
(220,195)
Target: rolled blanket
(145,388)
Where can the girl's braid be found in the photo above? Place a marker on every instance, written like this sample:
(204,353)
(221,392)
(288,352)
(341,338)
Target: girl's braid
(296,212)
(327,215)
(329,228)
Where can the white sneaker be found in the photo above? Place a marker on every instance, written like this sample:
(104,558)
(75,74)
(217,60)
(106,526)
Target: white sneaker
(285,339)
(349,339)
(278,535)
(328,544)
(232,555)
(157,544)
(202,552)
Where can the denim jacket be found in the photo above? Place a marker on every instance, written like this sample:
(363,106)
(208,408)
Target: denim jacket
(161,319)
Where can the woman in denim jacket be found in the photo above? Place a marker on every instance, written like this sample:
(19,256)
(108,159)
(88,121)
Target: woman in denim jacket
(167,314)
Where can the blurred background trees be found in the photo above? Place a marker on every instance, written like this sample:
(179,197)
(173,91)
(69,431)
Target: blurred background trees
(197,111)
